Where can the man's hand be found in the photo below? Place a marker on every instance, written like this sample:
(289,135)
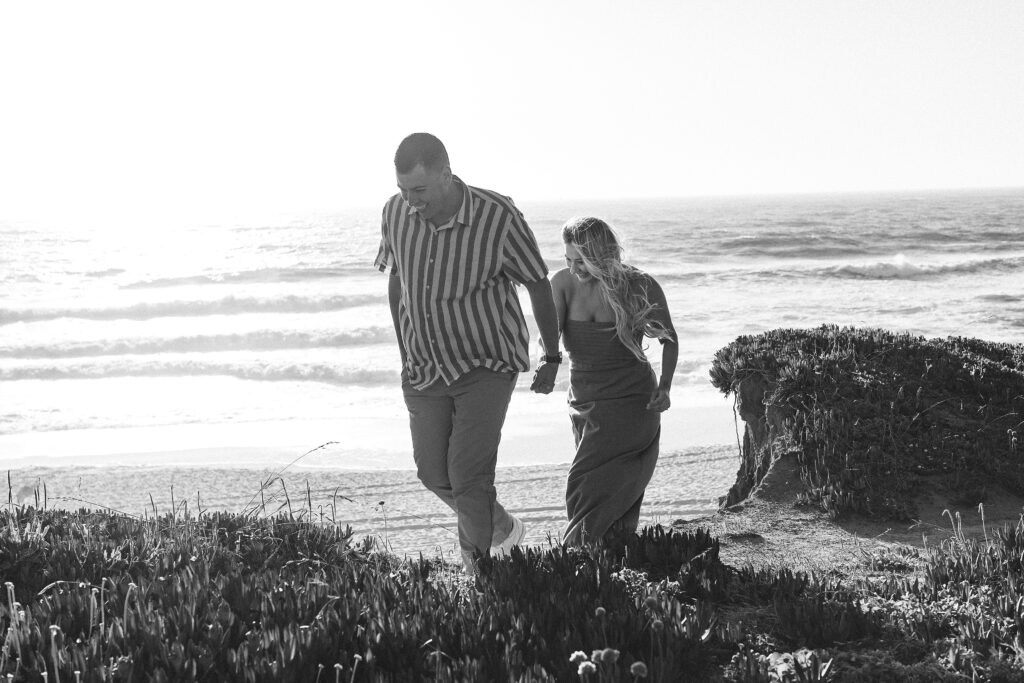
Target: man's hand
(544,378)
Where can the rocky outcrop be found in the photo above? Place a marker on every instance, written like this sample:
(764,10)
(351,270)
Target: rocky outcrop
(864,419)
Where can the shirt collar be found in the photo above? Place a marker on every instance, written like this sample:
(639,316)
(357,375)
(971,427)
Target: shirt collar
(465,212)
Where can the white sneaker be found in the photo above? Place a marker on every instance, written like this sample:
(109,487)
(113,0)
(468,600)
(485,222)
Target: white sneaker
(515,537)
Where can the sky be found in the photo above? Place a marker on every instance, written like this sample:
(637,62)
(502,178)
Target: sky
(114,110)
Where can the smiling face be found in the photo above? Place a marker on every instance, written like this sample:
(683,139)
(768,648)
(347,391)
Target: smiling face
(426,190)
(592,250)
(577,266)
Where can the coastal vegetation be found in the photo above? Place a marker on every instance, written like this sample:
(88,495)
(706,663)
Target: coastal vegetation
(875,418)
(291,595)
(96,597)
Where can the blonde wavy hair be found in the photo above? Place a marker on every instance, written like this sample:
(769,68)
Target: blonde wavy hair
(622,286)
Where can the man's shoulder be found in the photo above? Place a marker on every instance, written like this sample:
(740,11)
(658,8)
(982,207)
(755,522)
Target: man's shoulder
(394,208)
(490,197)
(392,201)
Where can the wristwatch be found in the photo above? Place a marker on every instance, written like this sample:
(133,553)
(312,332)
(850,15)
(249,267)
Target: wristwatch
(557,358)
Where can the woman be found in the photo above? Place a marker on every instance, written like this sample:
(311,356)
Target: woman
(605,309)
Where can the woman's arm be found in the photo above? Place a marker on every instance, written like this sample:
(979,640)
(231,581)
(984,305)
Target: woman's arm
(660,399)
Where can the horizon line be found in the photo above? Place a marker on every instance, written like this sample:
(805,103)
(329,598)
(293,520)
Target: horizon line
(222,214)
(789,193)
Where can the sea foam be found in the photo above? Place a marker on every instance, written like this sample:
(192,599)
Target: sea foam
(902,268)
(227,305)
(258,340)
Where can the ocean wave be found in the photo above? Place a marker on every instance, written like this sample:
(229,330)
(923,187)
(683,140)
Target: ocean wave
(259,340)
(1007,236)
(19,424)
(106,272)
(20,278)
(901,268)
(664,276)
(944,236)
(898,268)
(262,372)
(802,251)
(298,273)
(229,305)
(906,310)
(790,245)
(688,367)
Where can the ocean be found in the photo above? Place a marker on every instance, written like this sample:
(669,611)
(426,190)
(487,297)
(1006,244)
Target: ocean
(251,344)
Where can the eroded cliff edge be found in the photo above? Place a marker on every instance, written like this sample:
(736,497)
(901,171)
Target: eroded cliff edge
(872,422)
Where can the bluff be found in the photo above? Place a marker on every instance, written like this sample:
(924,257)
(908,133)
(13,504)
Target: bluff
(870,421)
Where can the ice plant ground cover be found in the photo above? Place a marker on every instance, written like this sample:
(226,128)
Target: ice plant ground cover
(96,597)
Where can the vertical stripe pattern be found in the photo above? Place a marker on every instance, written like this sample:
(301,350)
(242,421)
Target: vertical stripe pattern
(459,308)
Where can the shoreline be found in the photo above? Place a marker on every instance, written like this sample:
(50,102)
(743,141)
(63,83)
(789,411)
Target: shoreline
(536,432)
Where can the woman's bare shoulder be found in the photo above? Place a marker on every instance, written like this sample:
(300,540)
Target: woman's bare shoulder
(562,278)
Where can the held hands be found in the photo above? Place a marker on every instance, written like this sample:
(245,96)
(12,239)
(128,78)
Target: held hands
(544,378)
(660,400)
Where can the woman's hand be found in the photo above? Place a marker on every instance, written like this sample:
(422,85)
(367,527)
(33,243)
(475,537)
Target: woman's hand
(544,378)
(660,400)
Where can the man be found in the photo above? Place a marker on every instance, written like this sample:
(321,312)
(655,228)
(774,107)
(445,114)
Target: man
(455,253)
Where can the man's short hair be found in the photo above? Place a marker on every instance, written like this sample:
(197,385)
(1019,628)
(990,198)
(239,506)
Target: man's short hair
(420,148)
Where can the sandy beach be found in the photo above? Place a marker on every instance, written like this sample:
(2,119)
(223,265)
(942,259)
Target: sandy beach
(391,505)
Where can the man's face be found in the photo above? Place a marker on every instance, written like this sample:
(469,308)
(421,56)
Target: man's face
(425,189)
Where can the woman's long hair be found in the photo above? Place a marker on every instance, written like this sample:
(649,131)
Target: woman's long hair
(622,286)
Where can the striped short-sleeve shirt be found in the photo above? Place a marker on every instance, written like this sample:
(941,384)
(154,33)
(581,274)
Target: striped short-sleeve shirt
(459,309)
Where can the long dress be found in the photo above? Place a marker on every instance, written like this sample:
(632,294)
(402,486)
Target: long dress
(616,436)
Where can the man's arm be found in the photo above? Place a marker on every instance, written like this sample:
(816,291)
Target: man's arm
(394,296)
(544,313)
(547,322)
